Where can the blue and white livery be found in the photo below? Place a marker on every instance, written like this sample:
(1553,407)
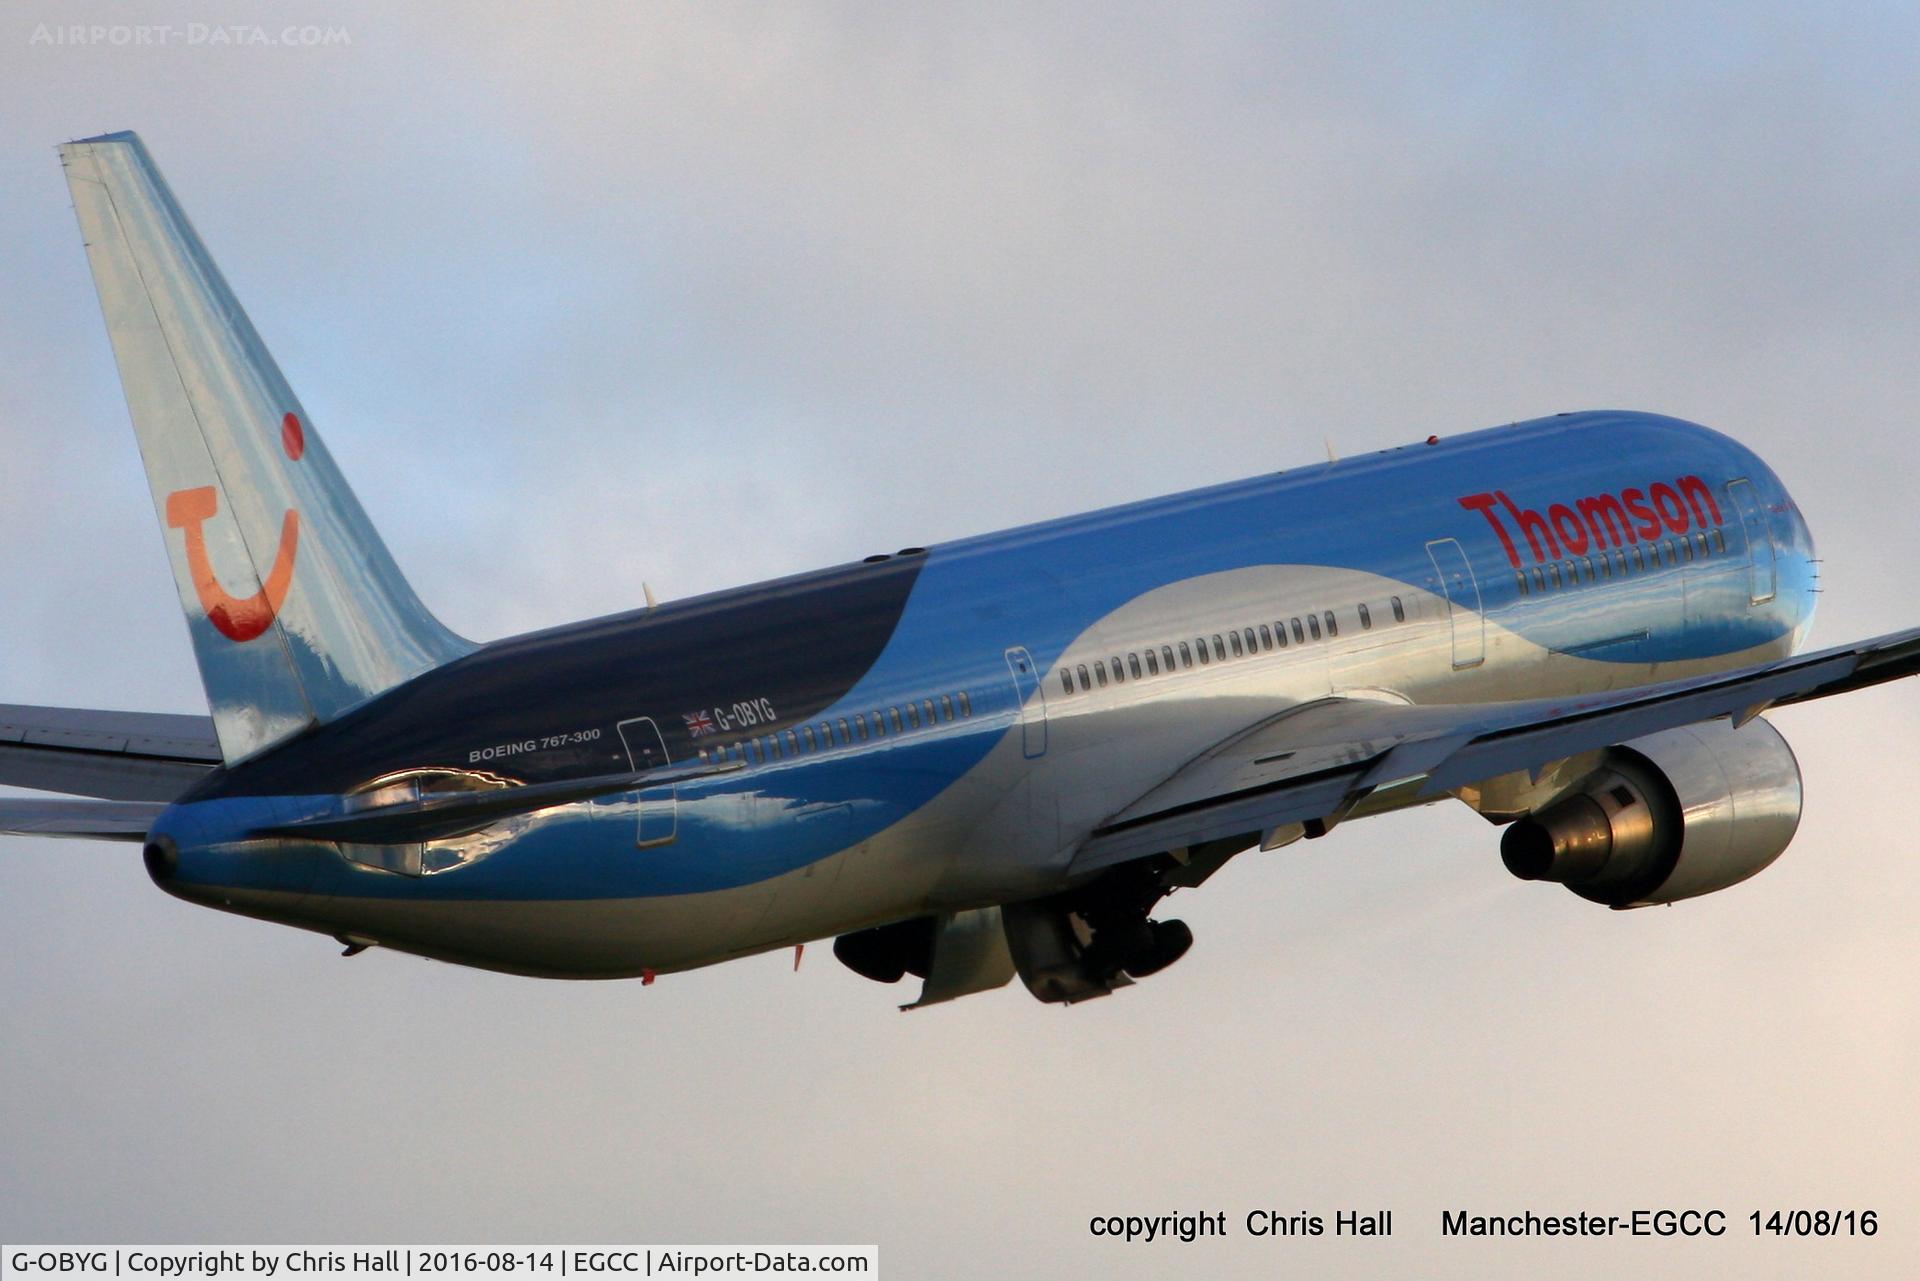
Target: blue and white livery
(965,762)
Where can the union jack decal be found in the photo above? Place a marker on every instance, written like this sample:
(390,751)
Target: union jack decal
(699,724)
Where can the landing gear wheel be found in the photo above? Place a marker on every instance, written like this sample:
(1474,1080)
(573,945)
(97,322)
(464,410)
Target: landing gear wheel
(1171,939)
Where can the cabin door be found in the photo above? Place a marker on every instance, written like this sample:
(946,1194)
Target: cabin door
(1033,702)
(646,750)
(1760,553)
(1462,590)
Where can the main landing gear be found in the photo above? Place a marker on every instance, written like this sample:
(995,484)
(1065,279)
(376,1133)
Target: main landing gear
(1100,936)
(1072,946)
(1120,937)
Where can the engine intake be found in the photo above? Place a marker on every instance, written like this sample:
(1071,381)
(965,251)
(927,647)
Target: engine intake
(1673,815)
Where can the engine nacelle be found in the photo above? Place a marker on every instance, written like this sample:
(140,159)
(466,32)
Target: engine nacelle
(1673,815)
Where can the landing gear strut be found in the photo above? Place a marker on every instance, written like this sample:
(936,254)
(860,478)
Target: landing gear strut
(1121,937)
(1098,937)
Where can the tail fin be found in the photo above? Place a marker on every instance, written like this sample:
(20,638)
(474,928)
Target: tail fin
(296,610)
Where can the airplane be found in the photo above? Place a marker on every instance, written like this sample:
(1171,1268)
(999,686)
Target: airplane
(984,759)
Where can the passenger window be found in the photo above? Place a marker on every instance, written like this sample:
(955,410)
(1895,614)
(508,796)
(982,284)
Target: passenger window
(810,744)
(1117,676)
(1333,627)
(1100,672)
(1686,548)
(1200,643)
(754,753)
(1186,655)
(946,707)
(1166,657)
(1133,664)
(1719,541)
(1153,664)
(1219,650)
(1313,626)
(860,725)
(966,703)
(913,717)
(1086,681)
(1519,583)
(773,747)
(1253,644)
(1280,635)
(1639,561)
(1066,681)
(1366,617)
(846,732)
(1399,611)
(1539,579)
(1266,637)
(1235,638)
(1299,636)
(1588,562)
(1553,574)
(926,711)
(793,742)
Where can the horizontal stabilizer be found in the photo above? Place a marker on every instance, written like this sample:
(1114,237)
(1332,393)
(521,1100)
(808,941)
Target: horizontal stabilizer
(441,815)
(84,820)
(120,756)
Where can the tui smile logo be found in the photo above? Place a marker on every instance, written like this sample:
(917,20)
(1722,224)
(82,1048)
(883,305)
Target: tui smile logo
(238,618)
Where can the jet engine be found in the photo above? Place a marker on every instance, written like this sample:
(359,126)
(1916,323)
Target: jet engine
(1670,816)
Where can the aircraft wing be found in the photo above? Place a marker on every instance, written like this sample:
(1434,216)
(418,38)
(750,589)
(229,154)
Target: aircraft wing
(1312,764)
(119,756)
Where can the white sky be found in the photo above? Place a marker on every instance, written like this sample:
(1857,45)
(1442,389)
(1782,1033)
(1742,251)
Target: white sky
(702,294)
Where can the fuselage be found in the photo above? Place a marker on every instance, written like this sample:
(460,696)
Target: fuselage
(940,729)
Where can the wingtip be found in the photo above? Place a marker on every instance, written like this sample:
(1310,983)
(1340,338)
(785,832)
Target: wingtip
(119,135)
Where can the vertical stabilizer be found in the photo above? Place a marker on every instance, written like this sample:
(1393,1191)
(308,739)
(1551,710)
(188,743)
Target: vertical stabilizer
(296,609)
